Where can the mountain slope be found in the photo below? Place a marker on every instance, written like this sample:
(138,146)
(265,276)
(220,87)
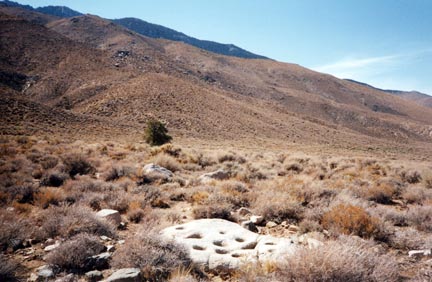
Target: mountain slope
(158,31)
(95,69)
(415,96)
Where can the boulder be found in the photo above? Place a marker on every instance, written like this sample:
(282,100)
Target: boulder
(219,244)
(125,275)
(100,261)
(111,215)
(156,170)
(420,253)
(271,224)
(257,219)
(52,247)
(93,276)
(215,175)
(249,225)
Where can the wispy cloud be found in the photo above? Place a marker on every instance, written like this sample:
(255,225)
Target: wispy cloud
(351,67)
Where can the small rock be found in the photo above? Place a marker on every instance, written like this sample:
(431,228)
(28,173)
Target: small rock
(121,242)
(243,211)
(420,253)
(105,238)
(249,225)
(100,261)
(284,224)
(68,278)
(215,175)
(52,247)
(293,228)
(45,271)
(271,224)
(157,170)
(94,275)
(257,219)
(125,275)
(110,248)
(111,215)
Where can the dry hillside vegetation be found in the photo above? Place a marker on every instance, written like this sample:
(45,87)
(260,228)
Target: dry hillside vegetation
(368,212)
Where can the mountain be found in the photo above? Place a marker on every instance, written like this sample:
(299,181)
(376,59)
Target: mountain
(147,29)
(58,11)
(415,96)
(114,80)
(158,31)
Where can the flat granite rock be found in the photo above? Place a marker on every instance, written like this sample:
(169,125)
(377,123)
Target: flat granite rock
(223,245)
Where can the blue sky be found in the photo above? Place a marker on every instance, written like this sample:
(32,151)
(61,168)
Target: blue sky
(386,43)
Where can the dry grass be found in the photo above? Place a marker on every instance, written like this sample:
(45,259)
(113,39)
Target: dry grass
(156,258)
(342,260)
(67,221)
(167,162)
(9,269)
(350,220)
(14,230)
(73,254)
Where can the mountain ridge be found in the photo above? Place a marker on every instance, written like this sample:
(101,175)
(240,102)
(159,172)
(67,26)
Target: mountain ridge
(420,98)
(150,30)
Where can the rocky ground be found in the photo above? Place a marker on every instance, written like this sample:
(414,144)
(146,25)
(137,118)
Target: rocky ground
(78,211)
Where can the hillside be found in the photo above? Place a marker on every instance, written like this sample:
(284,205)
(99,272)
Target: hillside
(415,96)
(104,71)
(158,31)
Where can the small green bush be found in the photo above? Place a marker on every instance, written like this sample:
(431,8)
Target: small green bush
(156,133)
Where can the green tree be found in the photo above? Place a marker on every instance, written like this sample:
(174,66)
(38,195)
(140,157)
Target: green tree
(156,133)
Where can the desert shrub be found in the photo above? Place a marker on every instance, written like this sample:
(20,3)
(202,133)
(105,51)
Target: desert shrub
(168,162)
(388,214)
(48,161)
(53,178)
(282,211)
(73,254)
(85,184)
(156,133)
(14,230)
(417,195)
(294,167)
(135,215)
(117,200)
(420,217)
(427,179)
(118,171)
(67,221)
(22,193)
(308,225)
(155,257)
(381,193)
(343,260)
(77,164)
(49,196)
(9,269)
(411,176)
(213,211)
(350,220)
(410,239)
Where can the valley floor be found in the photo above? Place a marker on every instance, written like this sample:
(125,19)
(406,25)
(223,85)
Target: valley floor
(368,208)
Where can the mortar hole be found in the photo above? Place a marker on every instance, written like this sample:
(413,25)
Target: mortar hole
(269,243)
(220,251)
(180,228)
(239,240)
(236,255)
(222,232)
(250,246)
(219,243)
(194,236)
(199,248)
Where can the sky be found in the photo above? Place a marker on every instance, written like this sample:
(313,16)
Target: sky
(385,43)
